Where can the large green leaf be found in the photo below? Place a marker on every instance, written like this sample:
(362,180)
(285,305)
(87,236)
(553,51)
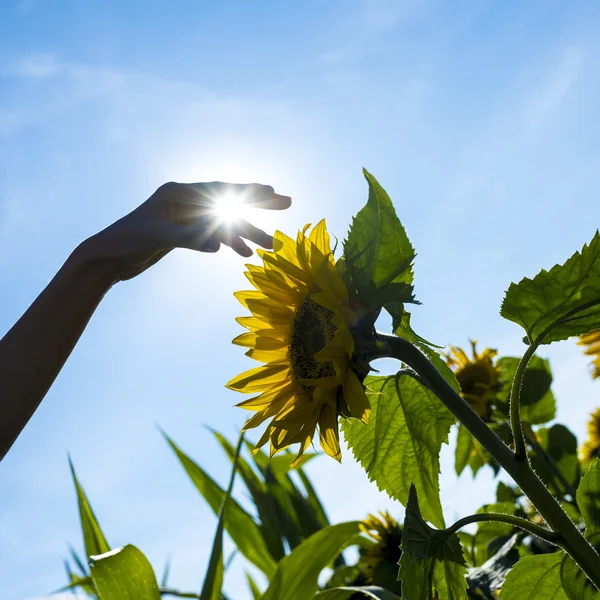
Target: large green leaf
(93,538)
(401,443)
(535,577)
(296,577)
(431,559)
(238,523)
(588,497)
(124,574)
(378,254)
(563,302)
(346,593)
(538,404)
(574,582)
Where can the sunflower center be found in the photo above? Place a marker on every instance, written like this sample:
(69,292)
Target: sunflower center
(312,329)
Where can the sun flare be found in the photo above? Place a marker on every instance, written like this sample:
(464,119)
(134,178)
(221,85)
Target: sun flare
(230,207)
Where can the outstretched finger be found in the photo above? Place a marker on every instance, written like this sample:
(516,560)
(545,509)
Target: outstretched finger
(236,243)
(254,234)
(252,194)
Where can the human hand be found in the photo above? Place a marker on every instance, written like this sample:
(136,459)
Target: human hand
(179,215)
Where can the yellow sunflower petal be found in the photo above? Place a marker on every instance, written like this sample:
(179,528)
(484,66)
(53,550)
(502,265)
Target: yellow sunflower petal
(260,378)
(328,432)
(320,238)
(356,398)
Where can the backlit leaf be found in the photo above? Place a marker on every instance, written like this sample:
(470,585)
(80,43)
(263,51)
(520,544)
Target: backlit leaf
(238,523)
(296,577)
(124,574)
(564,301)
(401,443)
(93,538)
(431,559)
(378,254)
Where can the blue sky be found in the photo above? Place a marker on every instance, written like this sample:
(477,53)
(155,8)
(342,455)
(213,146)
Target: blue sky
(479,118)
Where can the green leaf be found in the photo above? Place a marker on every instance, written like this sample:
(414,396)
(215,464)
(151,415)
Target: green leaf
(559,445)
(506,493)
(576,585)
(408,421)
(313,498)
(430,558)
(464,448)
(254,589)
(213,581)
(401,324)
(538,404)
(563,302)
(378,253)
(488,537)
(345,593)
(588,497)
(93,538)
(296,577)
(239,524)
(535,577)
(124,574)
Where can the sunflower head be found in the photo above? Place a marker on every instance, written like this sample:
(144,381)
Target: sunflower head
(591,447)
(592,342)
(386,533)
(479,378)
(300,327)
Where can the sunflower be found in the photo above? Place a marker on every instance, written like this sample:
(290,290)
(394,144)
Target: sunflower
(301,329)
(592,341)
(478,377)
(591,447)
(386,532)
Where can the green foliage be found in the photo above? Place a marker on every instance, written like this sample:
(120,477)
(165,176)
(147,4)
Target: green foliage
(213,581)
(93,539)
(296,577)
(559,303)
(558,446)
(488,532)
(378,254)
(576,585)
(430,559)
(238,523)
(347,593)
(538,404)
(588,498)
(406,420)
(124,574)
(535,577)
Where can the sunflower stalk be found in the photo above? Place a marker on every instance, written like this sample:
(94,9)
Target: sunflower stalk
(516,424)
(574,543)
(550,536)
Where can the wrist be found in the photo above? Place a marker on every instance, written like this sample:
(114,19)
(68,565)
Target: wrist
(86,264)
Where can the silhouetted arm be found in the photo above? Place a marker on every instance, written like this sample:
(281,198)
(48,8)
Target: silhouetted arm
(34,351)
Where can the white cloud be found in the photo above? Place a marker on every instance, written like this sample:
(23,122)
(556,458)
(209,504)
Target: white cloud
(36,66)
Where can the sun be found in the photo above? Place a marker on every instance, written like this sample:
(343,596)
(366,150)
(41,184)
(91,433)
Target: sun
(230,207)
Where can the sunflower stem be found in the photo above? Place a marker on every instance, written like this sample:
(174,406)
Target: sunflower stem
(525,477)
(550,536)
(516,424)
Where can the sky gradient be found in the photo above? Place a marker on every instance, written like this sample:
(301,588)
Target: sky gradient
(479,118)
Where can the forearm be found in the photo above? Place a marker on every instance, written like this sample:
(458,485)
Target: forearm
(34,351)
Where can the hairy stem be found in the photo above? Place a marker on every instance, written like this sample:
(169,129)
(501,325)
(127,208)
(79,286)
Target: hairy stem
(515,399)
(546,534)
(574,543)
